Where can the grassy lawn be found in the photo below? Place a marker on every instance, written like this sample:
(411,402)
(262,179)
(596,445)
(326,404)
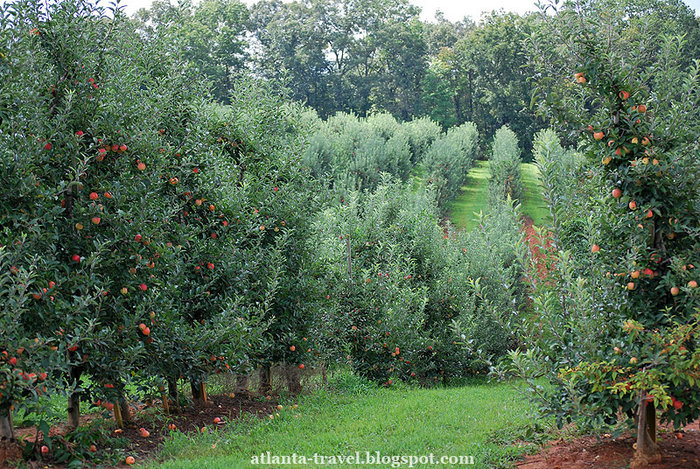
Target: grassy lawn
(350,417)
(534,204)
(473,197)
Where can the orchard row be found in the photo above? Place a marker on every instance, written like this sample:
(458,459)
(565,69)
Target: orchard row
(151,237)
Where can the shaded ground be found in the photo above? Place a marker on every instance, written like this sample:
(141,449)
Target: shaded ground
(196,418)
(680,450)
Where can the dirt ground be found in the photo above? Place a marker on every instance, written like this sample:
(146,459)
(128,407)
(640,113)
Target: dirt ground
(680,450)
(189,420)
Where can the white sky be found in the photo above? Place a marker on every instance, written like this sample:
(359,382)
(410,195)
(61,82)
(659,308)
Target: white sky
(454,10)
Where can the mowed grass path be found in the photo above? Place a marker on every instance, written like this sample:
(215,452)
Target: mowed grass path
(534,204)
(474,197)
(399,421)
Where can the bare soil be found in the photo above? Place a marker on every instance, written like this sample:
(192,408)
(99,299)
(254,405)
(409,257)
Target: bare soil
(191,419)
(679,449)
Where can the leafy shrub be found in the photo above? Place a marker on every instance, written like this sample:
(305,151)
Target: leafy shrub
(618,321)
(421,133)
(149,236)
(353,152)
(567,202)
(448,161)
(504,165)
(407,298)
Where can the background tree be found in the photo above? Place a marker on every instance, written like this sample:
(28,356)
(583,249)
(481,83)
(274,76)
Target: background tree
(210,35)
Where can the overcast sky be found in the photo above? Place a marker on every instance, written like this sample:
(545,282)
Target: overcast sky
(453,9)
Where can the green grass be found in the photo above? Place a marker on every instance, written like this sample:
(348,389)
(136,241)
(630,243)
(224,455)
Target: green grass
(534,204)
(396,422)
(473,197)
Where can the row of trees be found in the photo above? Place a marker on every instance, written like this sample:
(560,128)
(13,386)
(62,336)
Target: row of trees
(378,56)
(152,237)
(147,236)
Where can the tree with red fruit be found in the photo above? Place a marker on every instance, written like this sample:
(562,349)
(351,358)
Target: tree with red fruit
(646,104)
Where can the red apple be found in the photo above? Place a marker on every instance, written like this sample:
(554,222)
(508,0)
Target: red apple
(617,193)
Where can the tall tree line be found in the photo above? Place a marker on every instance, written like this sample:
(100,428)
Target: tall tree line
(366,56)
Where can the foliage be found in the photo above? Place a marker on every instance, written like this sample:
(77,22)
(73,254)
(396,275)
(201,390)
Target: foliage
(210,36)
(449,160)
(621,304)
(353,152)
(339,56)
(397,283)
(149,237)
(567,202)
(504,165)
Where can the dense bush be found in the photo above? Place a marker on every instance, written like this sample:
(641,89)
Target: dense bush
(353,152)
(504,167)
(148,237)
(448,161)
(421,133)
(558,169)
(408,298)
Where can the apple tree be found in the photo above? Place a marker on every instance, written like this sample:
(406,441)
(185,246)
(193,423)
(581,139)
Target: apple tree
(634,105)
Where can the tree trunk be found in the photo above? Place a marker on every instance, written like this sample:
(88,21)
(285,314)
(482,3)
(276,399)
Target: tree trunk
(203,392)
(265,385)
(242,383)
(293,379)
(125,410)
(324,374)
(647,451)
(194,387)
(73,412)
(199,391)
(7,431)
(74,401)
(174,396)
(164,398)
(458,108)
(118,415)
